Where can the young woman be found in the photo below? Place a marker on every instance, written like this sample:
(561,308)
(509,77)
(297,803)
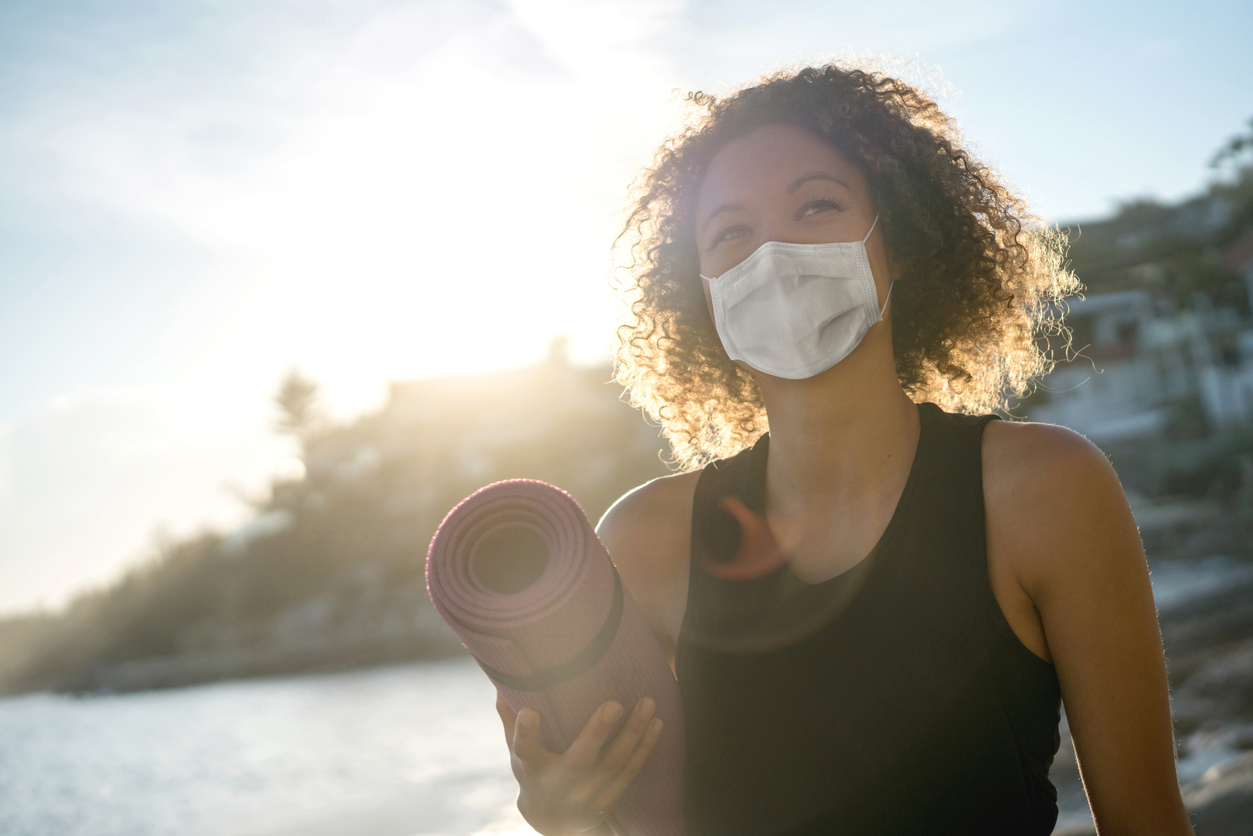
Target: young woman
(875,608)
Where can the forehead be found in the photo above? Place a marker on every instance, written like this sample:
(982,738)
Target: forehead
(767,160)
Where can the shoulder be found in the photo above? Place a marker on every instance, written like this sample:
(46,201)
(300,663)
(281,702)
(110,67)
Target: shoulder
(1054,497)
(648,535)
(1022,453)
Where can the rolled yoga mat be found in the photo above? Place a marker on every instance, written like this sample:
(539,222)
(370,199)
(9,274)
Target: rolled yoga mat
(518,573)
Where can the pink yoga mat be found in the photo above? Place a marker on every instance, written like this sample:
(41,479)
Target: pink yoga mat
(518,573)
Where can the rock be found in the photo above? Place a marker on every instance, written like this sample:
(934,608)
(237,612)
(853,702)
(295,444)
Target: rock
(1076,830)
(1218,690)
(1209,655)
(1203,622)
(1221,803)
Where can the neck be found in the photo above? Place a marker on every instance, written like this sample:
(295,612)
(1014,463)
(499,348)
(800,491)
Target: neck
(849,431)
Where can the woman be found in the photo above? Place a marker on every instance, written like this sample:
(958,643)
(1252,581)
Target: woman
(874,609)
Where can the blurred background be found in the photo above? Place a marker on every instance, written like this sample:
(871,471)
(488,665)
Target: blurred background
(281,282)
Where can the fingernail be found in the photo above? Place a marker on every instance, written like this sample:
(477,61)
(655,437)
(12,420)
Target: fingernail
(655,726)
(647,706)
(613,712)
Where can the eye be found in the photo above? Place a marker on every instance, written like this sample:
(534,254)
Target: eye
(727,233)
(815,207)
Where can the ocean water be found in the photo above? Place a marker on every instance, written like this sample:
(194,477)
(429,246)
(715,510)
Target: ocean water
(413,750)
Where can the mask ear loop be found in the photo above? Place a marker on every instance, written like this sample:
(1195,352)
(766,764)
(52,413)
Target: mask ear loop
(886,298)
(872,226)
(893,284)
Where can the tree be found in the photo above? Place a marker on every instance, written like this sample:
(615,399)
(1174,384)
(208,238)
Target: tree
(299,411)
(1238,150)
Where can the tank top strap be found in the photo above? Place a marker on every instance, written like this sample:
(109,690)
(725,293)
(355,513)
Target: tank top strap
(715,533)
(950,505)
(955,443)
(958,439)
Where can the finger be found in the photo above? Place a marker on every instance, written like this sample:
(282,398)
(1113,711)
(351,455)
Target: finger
(507,717)
(586,747)
(526,745)
(618,752)
(611,792)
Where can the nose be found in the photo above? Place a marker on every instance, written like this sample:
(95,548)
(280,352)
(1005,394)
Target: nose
(768,232)
(777,232)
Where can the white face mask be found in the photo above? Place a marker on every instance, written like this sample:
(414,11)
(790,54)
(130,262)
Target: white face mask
(794,310)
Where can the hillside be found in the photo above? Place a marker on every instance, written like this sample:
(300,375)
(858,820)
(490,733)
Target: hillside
(330,571)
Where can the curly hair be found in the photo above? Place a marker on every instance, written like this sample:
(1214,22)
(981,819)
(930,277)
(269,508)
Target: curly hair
(981,274)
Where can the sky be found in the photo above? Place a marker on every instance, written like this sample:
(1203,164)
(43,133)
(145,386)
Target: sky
(197,196)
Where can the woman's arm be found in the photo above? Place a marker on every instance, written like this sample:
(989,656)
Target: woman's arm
(1057,516)
(646,533)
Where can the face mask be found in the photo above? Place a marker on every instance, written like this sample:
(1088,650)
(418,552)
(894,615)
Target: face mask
(794,310)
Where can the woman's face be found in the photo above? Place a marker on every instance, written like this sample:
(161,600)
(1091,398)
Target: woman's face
(783,183)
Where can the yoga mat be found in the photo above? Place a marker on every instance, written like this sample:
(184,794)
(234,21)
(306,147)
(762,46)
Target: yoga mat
(518,573)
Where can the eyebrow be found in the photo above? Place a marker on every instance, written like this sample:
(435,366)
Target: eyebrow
(791,189)
(726,207)
(815,175)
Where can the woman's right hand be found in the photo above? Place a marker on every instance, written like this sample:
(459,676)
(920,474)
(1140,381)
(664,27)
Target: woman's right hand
(573,792)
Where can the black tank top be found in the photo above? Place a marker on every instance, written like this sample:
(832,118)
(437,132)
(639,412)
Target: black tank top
(893,698)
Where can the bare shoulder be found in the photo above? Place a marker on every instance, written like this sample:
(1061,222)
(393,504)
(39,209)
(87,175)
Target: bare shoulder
(648,534)
(1053,495)
(1022,453)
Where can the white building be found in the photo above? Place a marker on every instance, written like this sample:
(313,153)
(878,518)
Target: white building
(1136,369)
